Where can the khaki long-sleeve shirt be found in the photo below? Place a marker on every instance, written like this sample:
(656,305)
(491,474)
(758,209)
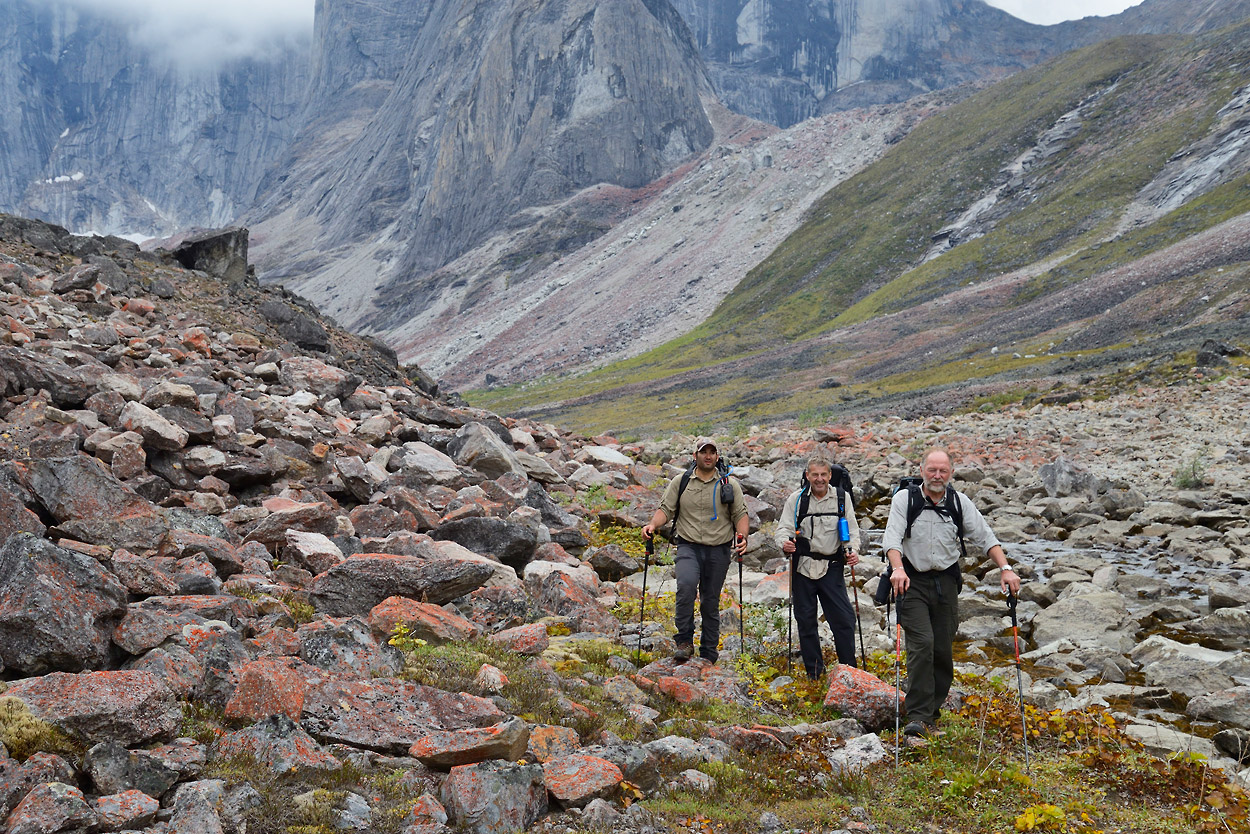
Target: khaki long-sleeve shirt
(820,530)
(703,518)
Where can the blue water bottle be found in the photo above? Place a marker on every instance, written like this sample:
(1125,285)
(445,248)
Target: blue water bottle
(844,530)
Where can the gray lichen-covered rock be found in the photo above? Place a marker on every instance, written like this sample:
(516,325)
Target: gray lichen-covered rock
(58,608)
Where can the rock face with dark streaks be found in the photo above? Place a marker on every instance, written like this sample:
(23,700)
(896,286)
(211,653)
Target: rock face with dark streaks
(99,133)
(498,108)
(783,61)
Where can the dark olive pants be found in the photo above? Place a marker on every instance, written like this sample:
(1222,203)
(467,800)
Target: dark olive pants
(929,614)
(700,571)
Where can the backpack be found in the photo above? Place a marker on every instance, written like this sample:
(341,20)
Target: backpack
(840,479)
(916,504)
(726,489)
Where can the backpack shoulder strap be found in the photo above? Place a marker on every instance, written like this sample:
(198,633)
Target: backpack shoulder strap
(801,511)
(956,508)
(915,506)
(681,487)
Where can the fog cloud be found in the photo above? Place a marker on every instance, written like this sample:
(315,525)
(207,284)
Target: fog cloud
(1055,11)
(208,32)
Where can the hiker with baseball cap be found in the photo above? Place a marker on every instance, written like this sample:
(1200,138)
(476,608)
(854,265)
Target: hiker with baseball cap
(710,522)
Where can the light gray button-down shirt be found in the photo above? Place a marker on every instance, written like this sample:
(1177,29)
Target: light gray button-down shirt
(934,542)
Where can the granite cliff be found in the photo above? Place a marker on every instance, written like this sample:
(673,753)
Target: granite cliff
(99,133)
(496,108)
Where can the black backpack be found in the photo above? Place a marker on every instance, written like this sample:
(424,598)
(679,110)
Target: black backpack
(916,504)
(840,480)
(726,489)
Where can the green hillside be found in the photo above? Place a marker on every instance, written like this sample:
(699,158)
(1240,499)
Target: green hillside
(770,344)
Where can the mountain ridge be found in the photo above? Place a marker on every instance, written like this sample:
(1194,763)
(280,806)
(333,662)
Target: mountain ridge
(1068,229)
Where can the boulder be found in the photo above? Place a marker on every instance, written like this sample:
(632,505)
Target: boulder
(272,685)
(17,778)
(423,464)
(286,515)
(114,769)
(530,639)
(1230,707)
(477,447)
(348,648)
(196,807)
(22,369)
(303,373)
(389,715)
(1187,676)
(575,780)
(316,552)
(1226,627)
(494,797)
(220,253)
(1227,595)
(858,754)
(431,623)
(511,543)
(549,742)
(128,707)
(360,582)
(15,517)
(52,807)
(150,622)
(156,431)
(1062,478)
(639,766)
(862,696)
(611,562)
(91,505)
(58,607)
(278,744)
(561,595)
(128,810)
(446,749)
(1098,618)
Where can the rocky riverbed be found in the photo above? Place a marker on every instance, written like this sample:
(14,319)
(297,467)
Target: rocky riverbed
(217,508)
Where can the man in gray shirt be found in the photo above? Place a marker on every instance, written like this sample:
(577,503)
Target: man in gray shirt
(924,573)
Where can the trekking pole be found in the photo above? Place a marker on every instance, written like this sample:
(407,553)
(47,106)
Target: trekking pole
(790,617)
(844,533)
(898,662)
(742,614)
(648,550)
(859,624)
(1015,640)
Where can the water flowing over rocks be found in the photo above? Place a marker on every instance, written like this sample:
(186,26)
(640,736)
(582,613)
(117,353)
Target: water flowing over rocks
(202,517)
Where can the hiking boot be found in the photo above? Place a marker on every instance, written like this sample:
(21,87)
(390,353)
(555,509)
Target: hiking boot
(683,653)
(916,729)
